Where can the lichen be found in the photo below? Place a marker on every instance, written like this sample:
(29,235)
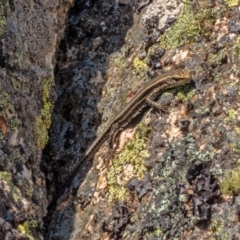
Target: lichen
(43,121)
(2,18)
(232,114)
(231,182)
(218,57)
(231,3)
(184,97)
(14,123)
(185,28)
(217,227)
(237,129)
(17,156)
(5,102)
(7,177)
(236,48)
(20,59)
(133,154)
(139,65)
(26,228)
(236,147)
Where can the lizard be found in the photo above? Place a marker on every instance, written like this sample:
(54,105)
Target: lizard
(144,97)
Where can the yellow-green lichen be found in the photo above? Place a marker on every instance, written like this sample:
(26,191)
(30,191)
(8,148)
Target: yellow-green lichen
(27,188)
(119,61)
(17,156)
(218,57)
(20,59)
(26,228)
(231,182)
(236,147)
(184,97)
(5,102)
(232,114)
(154,233)
(2,18)
(236,48)
(7,177)
(139,65)
(185,28)
(14,123)
(231,3)
(43,121)
(130,159)
(217,226)
(237,129)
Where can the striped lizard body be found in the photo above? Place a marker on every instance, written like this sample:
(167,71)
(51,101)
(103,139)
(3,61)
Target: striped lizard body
(144,97)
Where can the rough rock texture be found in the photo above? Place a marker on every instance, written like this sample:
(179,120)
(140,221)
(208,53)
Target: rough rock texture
(175,174)
(173,178)
(30,34)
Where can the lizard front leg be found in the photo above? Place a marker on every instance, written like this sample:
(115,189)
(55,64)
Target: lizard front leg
(152,96)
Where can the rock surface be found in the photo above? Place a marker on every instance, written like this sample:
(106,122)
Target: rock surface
(67,68)
(30,35)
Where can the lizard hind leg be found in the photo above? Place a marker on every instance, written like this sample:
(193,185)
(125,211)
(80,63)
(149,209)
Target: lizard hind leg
(153,95)
(156,105)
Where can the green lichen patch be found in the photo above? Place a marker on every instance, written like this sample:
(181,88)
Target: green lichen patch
(6,105)
(132,157)
(218,57)
(139,65)
(20,59)
(231,3)
(13,191)
(2,18)
(185,28)
(231,182)
(217,226)
(236,48)
(43,121)
(16,156)
(186,96)
(5,101)
(237,129)
(232,114)
(27,227)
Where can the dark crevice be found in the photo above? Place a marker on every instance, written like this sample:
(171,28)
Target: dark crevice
(95,30)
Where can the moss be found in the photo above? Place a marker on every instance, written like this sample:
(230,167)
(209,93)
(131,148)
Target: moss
(26,228)
(185,28)
(231,182)
(133,154)
(139,65)
(7,177)
(232,114)
(43,121)
(231,3)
